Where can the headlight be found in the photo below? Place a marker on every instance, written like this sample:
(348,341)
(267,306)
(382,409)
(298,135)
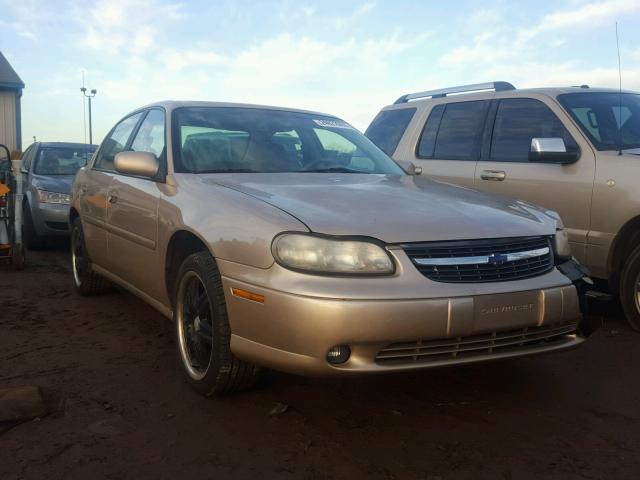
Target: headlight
(562,248)
(53,197)
(311,253)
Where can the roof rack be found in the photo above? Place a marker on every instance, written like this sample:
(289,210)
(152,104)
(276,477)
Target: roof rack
(443,92)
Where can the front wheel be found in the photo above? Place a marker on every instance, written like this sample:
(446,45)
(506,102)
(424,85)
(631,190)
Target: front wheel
(630,289)
(203,332)
(31,237)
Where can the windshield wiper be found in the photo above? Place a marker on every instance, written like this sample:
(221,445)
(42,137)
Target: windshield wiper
(228,170)
(333,170)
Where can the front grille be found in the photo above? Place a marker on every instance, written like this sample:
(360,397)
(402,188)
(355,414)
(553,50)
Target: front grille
(475,345)
(478,261)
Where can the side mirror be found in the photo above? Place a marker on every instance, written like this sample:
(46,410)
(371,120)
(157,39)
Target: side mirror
(551,150)
(409,167)
(141,164)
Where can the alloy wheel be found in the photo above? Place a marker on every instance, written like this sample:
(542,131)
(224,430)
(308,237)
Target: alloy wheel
(195,325)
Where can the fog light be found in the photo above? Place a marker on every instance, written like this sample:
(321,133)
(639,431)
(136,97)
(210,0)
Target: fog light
(338,354)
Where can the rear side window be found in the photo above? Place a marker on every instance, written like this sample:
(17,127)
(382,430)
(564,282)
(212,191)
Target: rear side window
(387,128)
(518,120)
(453,131)
(116,142)
(428,139)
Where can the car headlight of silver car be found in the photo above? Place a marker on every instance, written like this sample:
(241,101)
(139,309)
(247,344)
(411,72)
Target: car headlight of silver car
(562,248)
(53,197)
(331,255)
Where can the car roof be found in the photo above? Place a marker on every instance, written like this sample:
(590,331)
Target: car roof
(170,105)
(515,93)
(65,144)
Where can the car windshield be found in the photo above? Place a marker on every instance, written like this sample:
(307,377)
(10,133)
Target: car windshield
(61,160)
(610,120)
(250,140)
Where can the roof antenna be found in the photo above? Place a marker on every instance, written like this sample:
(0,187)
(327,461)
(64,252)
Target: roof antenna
(620,94)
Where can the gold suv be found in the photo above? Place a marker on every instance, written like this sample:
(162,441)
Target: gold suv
(574,150)
(286,239)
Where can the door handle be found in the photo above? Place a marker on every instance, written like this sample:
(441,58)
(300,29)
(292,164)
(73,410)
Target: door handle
(112,198)
(493,175)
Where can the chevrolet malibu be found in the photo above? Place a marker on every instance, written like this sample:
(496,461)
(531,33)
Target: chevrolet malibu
(285,239)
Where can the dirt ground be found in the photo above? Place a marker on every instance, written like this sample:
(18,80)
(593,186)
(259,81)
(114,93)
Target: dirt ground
(120,409)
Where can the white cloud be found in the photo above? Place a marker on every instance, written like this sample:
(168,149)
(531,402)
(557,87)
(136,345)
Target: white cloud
(113,25)
(589,15)
(179,59)
(288,60)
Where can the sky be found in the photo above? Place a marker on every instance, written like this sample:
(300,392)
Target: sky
(347,57)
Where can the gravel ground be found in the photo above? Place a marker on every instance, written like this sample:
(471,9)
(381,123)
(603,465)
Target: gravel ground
(120,409)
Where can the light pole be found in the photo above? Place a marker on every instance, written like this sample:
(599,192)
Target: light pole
(91,94)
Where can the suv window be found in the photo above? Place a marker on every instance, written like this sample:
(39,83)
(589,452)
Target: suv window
(518,120)
(610,120)
(150,135)
(456,136)
(387,128)
(116,142)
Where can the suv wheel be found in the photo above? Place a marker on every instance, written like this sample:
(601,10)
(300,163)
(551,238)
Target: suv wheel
(85,280)
(31,238)
(630,289)
(203,332)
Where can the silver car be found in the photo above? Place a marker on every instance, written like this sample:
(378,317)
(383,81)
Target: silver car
(48,169)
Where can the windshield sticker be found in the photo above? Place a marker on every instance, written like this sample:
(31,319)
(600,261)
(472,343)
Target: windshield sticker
(333,124)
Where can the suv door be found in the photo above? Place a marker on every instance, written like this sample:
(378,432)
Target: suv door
(93,190)
(132,213)
(449,145)
(505,167)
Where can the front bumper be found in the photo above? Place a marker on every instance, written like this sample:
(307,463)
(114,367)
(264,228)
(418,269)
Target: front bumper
(51,219)
(293,330)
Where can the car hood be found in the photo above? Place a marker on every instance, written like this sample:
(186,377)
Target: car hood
(53,183)
(394,209)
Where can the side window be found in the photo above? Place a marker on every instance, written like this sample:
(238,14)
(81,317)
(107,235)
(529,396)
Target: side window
(518,120)
(27,157)
(116,142)
(458,134)
(428,138)
(387,128)
(150,135)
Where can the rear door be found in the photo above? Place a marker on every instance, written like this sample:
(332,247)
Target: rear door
(132,213)
(93,190)
(449,145)
(505,167)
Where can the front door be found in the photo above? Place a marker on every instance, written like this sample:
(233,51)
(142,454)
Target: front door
(132,217)
(95,189)
(505,166)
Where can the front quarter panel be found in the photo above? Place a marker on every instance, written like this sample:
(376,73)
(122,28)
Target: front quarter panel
(236,227)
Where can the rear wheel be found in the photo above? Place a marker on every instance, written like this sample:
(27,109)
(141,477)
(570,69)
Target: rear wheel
(630,289)
(85,280)
(31,237)
(202,331)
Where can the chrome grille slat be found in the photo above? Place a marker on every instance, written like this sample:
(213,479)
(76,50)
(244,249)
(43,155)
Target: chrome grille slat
(480,338)
(475,260)
(475,345)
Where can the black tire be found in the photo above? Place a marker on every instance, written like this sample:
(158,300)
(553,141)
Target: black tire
(199,293)
(85,281)
(630,289)
(30,236)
